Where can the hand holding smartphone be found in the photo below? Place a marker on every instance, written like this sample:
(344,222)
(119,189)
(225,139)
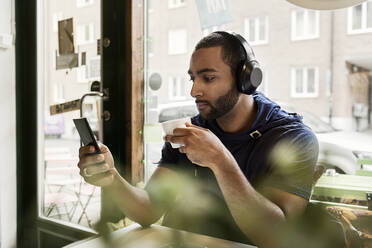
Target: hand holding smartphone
(86,133)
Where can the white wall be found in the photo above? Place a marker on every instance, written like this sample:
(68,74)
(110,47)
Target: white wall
(8,192)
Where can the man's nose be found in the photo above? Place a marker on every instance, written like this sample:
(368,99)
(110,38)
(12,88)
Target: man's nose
(196,90)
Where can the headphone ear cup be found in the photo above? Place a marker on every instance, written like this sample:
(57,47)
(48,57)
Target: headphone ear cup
(244,79)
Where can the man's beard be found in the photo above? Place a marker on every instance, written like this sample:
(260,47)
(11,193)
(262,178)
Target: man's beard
(223,105)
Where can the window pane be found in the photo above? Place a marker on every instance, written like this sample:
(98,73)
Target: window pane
(369,14)
(299,81)
(65,78)
(311,23)
(310,81)
(300,23)
(357,17)
(300,92)
(262,28)
(252,29)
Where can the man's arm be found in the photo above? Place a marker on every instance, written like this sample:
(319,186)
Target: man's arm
(134,202)
(258,215)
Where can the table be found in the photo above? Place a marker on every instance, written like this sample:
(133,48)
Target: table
(134,236)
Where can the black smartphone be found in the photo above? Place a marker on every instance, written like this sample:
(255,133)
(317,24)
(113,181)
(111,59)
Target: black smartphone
(86,134)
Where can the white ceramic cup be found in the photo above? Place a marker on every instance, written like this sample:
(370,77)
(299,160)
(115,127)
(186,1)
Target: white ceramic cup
(169,126)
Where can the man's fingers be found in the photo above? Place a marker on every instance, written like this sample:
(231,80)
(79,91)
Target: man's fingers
(90,170)
(100,179)
(91,159)
(175,139)
(85,150)
(191,125)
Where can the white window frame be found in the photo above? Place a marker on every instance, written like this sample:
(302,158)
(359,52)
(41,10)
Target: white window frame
(82,3)
(256,31)
(80,34)
(178,4)
(306,35)
(89,62)
(171,43)
(364,28)
(304,94)
(179,95)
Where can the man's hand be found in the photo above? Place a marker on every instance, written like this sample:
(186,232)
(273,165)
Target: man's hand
(200,145)
(97,169)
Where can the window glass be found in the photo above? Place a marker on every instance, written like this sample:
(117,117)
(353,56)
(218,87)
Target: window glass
(369,14)
(330,92)
(311,80)
(305,24)
(357,17)
(311,22)
(262,28)
(299,80)
(67,64)
(300,23)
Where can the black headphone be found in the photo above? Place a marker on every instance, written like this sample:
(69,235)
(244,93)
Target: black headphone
(249,73)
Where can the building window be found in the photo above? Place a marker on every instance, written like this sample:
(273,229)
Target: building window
(85,34)
(82,70)
(82,74)
(305,24)
(256,30)
(360,18)
(58,92)
(176,3)
(177,88)
(94,68)
(177,41)
(305,82)
(84,3)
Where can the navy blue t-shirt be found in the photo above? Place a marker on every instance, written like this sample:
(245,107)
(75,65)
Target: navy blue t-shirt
(283,157)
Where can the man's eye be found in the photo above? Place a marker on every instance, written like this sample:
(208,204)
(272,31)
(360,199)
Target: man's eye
(209,79)
(192,79)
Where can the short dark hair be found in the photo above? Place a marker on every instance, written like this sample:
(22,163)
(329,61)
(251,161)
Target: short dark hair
(232,52)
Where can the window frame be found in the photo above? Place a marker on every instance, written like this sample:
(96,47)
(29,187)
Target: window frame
(306,36)
(79,34)
(364,17)
(305,94)
(256,30)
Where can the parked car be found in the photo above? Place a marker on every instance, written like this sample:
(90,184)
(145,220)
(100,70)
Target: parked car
(337,149)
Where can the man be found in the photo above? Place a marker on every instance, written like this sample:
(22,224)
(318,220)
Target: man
(248,163)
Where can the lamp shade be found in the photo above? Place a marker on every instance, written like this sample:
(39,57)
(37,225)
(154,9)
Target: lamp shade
(325,4)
